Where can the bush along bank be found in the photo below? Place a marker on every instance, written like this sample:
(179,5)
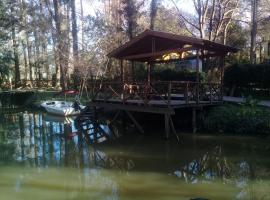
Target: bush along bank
(238,119)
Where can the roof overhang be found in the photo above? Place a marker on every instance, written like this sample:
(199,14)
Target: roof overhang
(151,45)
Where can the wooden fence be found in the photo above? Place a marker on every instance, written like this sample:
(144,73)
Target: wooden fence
(171,91)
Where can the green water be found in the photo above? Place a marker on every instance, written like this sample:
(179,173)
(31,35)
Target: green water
(43,157)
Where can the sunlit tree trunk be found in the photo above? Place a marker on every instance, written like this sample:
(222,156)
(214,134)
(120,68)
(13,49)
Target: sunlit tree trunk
(60,42)
(254,14)
(153,13)
(74,35)
(16,52)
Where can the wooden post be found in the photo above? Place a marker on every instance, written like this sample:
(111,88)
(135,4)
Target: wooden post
(186,93)
(173,129)
(167,125)
(197,76)
(95,123)
(222,59)
(122,71)
(149,73)
(194,120)
(138,126)
(169,93)
(122,79)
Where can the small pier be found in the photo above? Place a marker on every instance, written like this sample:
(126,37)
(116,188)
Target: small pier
(161,97)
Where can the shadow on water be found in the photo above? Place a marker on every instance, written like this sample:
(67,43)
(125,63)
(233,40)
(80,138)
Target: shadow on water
(125,166)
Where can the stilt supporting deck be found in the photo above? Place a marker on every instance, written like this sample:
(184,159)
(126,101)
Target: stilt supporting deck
(95,123)
(132,118)
(167,125)
(138,126)
(194,120)
(173,129)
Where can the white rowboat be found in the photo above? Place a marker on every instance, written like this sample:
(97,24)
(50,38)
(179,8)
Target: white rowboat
(61,108)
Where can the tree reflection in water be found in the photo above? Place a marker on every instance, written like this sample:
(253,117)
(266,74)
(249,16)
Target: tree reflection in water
(213,165)
(37,140)
(40,141)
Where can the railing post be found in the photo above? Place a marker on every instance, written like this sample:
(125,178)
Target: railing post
(186,93)
(197,75)
(222,77)
(169,93)
(197,93)
(211,92)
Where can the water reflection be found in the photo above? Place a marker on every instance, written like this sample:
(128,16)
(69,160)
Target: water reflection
(42,140)
(86,158)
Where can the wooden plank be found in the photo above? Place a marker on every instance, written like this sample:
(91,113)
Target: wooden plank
(135,108)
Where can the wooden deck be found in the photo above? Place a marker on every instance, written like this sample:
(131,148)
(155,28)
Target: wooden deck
(158,98)
(264,103)
(173,94)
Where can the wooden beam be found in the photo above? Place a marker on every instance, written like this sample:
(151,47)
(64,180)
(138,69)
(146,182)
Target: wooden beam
(173,129)
(197,76)
(194,120)
(222,76)
(158,53)
(209,55)
(122,71)
(138,126)
(149,70)
(167,126)
(134,108)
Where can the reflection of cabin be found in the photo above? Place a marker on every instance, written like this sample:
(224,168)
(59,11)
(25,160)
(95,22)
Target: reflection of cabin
(163,97)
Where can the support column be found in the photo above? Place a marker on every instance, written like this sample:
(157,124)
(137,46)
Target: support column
(194,120)
(95,123)
(167,126)
(122,79)
(197,76)
(149,69)
(122,71)
(222,63)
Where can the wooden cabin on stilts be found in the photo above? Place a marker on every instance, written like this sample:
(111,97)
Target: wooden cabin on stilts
(162,97)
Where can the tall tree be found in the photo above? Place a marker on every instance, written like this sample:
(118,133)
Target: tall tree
(153,13)
(60,47)
(74,35)
(212,18)
(254,24)
(15,44)
(131,12)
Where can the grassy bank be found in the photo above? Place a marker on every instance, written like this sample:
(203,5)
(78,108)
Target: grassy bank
(238,119)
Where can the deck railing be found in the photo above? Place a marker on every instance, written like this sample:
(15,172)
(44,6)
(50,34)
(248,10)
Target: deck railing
(169,92)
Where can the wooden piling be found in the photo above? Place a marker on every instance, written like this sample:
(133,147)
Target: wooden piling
(167,125)
(194,120)
(138,126)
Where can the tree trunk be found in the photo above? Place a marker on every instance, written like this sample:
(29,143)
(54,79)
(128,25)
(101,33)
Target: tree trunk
(16,54)
(82,24)
(29,53)
(44,42)
(153,13)
(254,13)
(26,66)
(74,36)
(60,43)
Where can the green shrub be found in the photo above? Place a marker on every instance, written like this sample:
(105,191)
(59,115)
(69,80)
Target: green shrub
(241,119)
(247,75)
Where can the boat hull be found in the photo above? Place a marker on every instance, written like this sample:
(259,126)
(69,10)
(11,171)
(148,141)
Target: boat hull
(60,108)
